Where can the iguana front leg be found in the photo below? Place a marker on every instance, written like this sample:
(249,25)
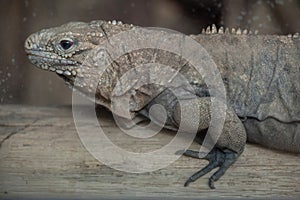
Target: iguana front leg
(229,145)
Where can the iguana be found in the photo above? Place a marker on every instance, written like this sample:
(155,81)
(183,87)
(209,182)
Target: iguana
(261,74)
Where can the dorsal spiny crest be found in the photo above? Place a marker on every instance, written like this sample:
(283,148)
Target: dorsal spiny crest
(221,30)
(213,29)
(208,30)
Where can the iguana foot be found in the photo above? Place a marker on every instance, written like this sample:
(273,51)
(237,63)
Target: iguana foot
(217,158)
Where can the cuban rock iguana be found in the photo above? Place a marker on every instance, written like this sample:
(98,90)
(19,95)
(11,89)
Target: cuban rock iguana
(261,74)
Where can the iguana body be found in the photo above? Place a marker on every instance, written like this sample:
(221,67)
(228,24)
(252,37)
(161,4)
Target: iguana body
(261,74)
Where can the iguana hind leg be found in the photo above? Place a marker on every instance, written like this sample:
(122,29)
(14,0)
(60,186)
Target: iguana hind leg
(229,145)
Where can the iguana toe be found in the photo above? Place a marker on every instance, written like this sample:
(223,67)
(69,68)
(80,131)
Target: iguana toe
(217,158)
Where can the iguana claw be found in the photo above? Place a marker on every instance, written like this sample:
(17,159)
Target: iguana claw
(217,158)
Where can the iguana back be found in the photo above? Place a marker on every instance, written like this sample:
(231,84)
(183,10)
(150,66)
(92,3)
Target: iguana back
(261,74)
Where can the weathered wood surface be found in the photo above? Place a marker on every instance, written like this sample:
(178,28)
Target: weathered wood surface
(42,156)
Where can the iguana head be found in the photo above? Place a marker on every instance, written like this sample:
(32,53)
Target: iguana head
(67,50)
(63,49)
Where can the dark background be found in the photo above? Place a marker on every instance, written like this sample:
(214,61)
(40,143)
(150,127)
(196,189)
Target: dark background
(22,83)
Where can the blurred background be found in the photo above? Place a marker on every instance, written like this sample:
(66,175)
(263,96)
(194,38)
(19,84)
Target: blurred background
(22,83)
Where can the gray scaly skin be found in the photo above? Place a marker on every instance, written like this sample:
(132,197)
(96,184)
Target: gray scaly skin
(261,74)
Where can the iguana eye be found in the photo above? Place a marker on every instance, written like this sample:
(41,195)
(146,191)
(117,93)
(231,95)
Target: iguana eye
(66,44)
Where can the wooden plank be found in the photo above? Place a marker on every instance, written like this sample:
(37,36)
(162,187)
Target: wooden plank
(42,156)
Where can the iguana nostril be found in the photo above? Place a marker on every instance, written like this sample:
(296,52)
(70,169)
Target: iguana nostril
(29,43)
(32,43)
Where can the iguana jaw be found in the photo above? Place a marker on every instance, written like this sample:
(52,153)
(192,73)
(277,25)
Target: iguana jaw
(52,62)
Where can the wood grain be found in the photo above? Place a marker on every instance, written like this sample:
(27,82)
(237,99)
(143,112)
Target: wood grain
(42,156)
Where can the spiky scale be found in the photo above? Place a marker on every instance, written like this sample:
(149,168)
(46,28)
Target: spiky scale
(221,30)
(214,29)
(208,30)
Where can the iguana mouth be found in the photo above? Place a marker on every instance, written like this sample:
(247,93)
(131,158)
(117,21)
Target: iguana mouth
(68,79)
(53,62)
